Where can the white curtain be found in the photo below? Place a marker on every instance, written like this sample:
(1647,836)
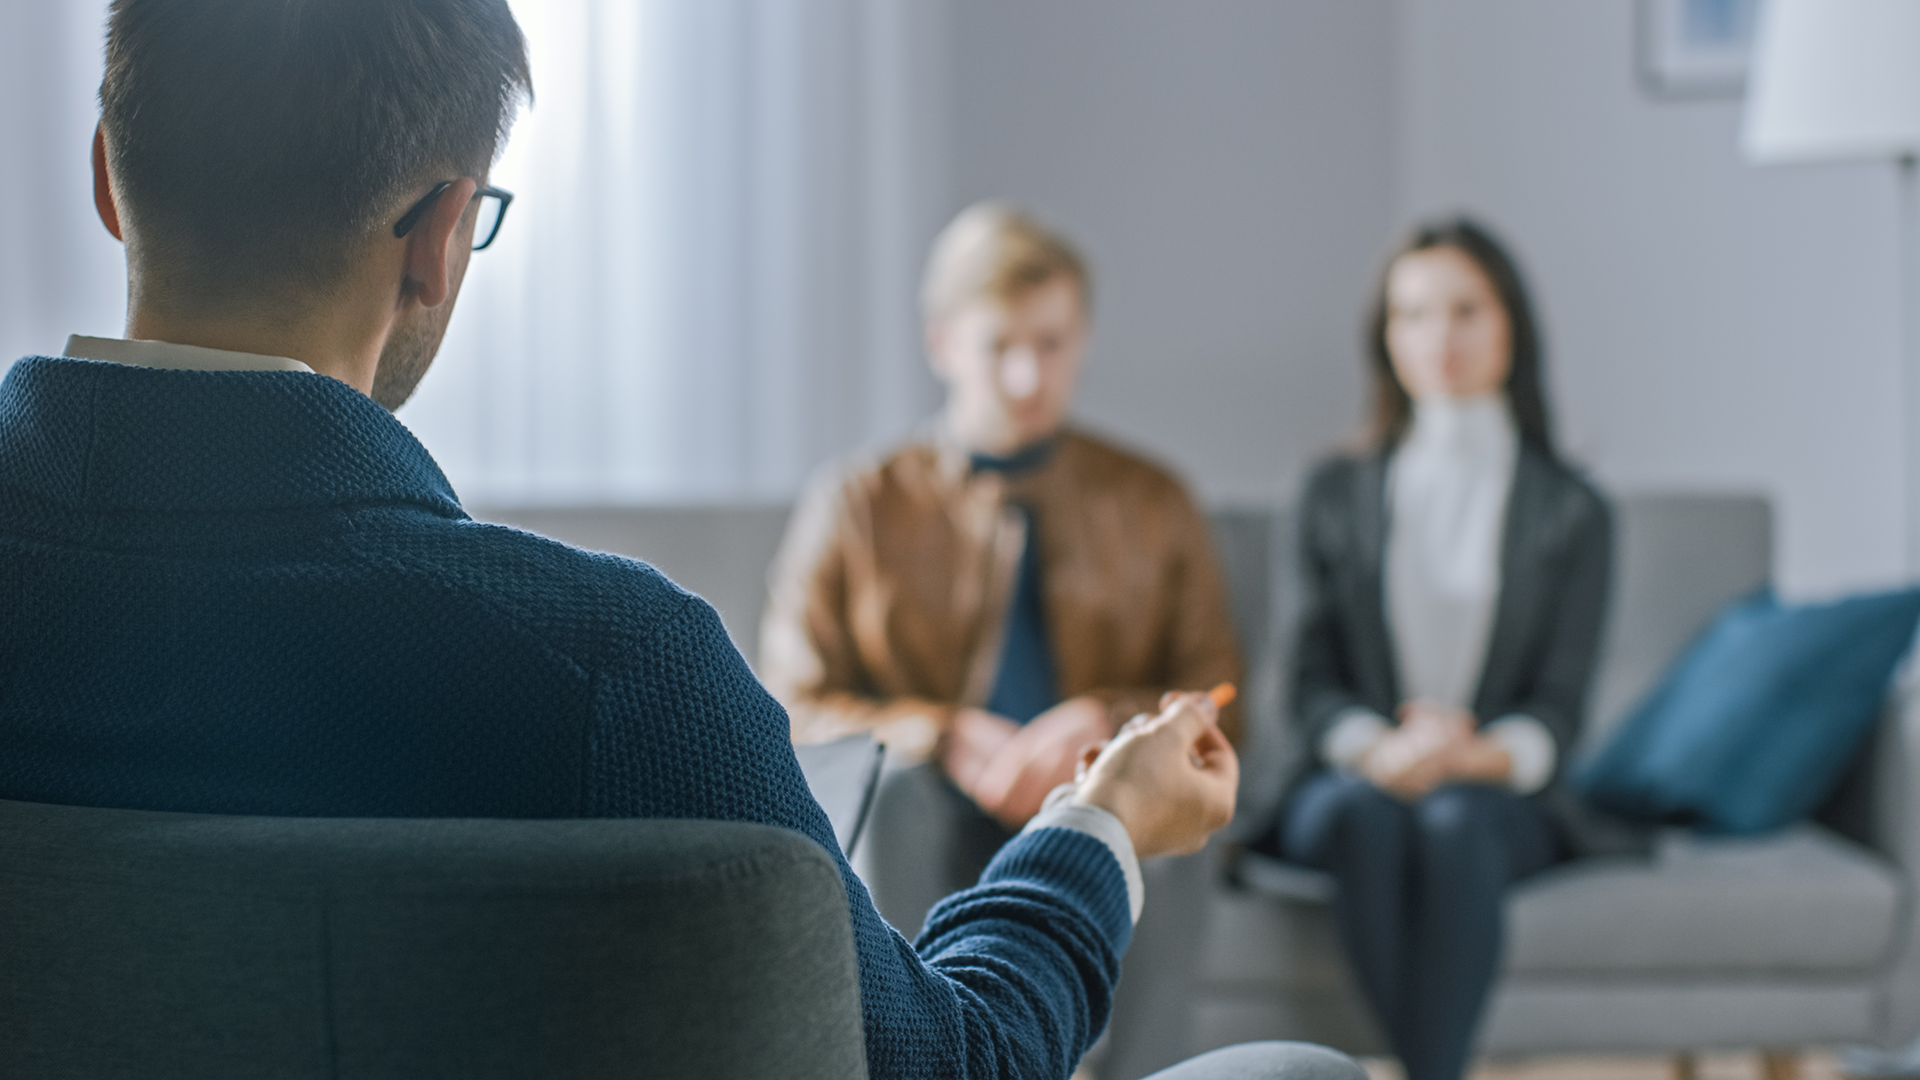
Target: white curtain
(60,272)
(706,283)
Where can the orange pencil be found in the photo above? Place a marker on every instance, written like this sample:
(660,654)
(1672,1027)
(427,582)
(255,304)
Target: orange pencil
(1223,695)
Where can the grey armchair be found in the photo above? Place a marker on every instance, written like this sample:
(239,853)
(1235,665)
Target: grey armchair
(158,945)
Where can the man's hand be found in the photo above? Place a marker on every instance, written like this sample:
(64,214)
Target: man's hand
(1038,758)
(1170,779)
(972,740)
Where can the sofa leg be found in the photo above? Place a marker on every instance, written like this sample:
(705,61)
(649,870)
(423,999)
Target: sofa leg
(1686,1068)
(1780,1065)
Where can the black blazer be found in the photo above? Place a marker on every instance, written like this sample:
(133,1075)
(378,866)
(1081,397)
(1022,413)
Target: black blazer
(1555,569)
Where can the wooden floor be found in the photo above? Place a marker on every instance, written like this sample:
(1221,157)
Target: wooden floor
(1814,1065)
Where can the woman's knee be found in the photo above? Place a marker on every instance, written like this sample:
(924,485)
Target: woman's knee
(1336,809)
(1461,815)
(1357,804)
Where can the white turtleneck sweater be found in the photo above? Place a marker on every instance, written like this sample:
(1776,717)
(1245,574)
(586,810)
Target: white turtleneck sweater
(1447,488)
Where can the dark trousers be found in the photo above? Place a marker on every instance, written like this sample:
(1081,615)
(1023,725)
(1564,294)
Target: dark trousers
(1420,904)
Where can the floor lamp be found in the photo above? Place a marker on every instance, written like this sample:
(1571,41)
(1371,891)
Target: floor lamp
(1839,80)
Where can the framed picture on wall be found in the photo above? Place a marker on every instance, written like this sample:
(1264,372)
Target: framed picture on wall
(1695,48)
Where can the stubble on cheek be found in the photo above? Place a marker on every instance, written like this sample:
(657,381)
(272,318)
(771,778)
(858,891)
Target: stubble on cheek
(408,353)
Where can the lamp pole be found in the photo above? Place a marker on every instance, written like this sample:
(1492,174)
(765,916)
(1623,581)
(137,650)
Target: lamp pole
(1910,352)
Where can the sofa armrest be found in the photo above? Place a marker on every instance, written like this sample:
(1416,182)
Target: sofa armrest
(1896,812)
(1896,777)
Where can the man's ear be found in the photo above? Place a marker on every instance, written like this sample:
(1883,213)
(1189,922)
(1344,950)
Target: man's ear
(103,186)
(430,245)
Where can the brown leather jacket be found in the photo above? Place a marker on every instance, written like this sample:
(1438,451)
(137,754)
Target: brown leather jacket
(890,593)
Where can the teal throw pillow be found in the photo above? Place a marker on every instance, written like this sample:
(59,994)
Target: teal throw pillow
(1749,730)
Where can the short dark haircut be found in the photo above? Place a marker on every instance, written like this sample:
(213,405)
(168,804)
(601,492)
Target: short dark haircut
(1526,381)
(257,142)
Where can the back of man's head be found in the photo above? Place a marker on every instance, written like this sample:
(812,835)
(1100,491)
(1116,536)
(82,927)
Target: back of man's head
(256,144)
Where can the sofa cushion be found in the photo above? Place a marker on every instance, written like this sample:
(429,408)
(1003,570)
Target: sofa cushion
(1799,900)
(1752,726)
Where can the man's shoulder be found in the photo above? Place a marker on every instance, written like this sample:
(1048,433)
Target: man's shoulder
(912,462)
(1569,495)
(915,469)
(1098,461)
(569,595)
(1339,475)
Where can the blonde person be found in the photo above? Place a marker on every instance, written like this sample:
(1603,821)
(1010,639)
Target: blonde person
(997,594)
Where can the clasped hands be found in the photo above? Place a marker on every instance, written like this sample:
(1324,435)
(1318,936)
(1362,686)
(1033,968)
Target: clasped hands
(1433,745)
(1008,769)
(1169,778)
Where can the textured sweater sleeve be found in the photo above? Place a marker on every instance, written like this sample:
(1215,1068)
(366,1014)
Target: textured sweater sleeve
(1013,977)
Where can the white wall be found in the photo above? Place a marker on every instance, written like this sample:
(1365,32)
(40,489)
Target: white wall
(1227,166)
(1237,168)
(1713,325)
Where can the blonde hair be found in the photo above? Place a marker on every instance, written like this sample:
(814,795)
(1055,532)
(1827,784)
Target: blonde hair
(996,251)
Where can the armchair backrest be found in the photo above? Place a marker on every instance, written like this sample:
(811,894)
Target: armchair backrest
(175,945)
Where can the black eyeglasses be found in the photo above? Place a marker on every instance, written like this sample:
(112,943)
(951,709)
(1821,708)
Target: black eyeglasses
(493,210)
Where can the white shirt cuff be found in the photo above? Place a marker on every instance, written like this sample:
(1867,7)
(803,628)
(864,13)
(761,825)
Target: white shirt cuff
(1354,732)
(1529,747)
(1102,826)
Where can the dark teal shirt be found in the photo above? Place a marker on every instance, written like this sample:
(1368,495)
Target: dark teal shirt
(1025,685)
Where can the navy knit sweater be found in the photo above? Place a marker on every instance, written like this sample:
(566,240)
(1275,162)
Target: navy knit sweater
(255,593)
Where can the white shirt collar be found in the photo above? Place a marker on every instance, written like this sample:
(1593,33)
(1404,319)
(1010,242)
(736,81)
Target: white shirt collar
(1471,429)
(164,354)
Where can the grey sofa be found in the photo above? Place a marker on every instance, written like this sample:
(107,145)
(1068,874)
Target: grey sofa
(172,945)
(1777,942)
(1798,939)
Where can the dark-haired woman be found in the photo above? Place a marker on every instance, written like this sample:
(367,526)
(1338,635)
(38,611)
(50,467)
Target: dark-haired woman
(1454,584)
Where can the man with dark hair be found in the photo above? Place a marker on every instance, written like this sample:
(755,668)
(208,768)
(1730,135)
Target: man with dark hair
(236,584)
(245,202)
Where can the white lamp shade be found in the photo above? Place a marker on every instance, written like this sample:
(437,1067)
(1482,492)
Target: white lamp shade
(1834,80)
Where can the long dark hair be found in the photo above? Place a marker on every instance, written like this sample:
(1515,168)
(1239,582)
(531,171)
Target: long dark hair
(1526,389)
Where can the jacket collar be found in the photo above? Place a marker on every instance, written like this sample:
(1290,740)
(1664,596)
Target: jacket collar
(1021,461)
(1369,538)
(1513,617)
(956,465)
(100,436)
